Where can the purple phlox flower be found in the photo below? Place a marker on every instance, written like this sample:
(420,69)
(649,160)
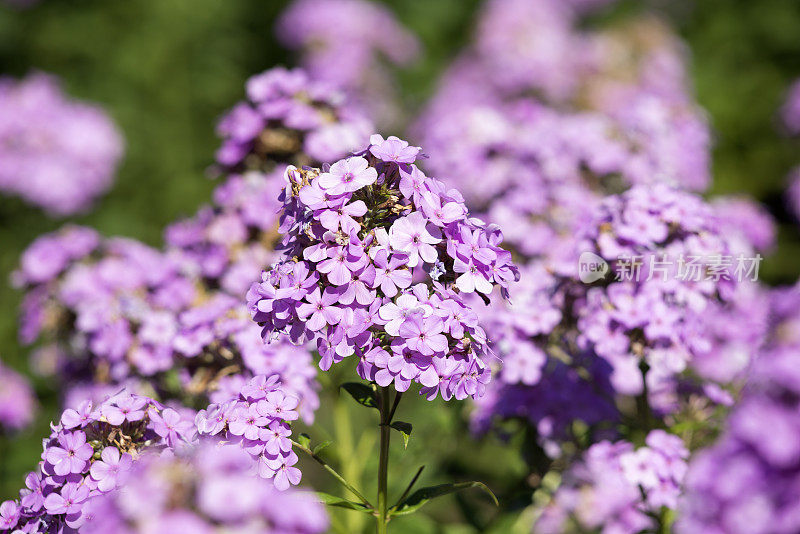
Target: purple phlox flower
(473,380)
(471,278)
(317,198)
(440,214)
(474,244)
(9,515)
(393,150)
(364,318)
(285,474)
(348,175)
(247,421)
(336,267)
(124,408)
(332,219)
(276,438)
(388,275)
(213,420)
(410,234)
(435,379)
(424,335)
(319,309)
(71,455)
(279,405)
(413,185)
(77,418)
(107,470)
(171,426)
(395,313)
(259,386)
(33,497)
(359,287)
(68,501)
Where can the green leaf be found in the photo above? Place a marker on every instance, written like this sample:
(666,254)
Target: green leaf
(405,429)
(304,440)
(362,393)
(420,497)
(333,500)
(321,446)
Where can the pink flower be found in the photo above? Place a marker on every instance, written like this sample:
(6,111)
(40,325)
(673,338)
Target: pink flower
(394,150)
(72,455)
(106,471)
(319,309)
(410,235)
(424,335)
(332,219)
(472,278)
(348,175)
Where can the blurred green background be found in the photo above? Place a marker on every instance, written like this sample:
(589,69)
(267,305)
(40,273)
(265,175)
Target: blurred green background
(166,69)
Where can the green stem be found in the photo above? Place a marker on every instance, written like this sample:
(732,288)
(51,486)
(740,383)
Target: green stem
(397,397)
(333,472)
(383,464)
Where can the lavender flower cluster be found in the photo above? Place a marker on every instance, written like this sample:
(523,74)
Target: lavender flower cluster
(347,43)
(539,119)
(114,312)
(203,489)
(647,328)
(288,117)
(56,153)
(748,480)
(17,401)
(86,455)
(258,419)
(357,234)
(618,487)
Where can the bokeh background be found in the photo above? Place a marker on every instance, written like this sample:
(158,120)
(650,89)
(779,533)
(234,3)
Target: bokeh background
(165,70)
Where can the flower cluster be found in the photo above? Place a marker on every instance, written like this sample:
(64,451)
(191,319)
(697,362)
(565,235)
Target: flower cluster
(748,481)
(289,117)
(649,236)
(109,304)
(56,153)
(257,419)
(356,235)
(17,401)
(114,312)
(343,42)
(86,455)
(540,118)
(203,490)
(227,244)
(648,327)
(746,220)
(617,488)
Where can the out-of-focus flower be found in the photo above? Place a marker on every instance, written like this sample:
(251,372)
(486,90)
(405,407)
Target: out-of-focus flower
(671,313)
(206,488)
(348,43)
(54,153)
(292,118)
(17,402)
(118,313)
(749,480)
(618,488)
